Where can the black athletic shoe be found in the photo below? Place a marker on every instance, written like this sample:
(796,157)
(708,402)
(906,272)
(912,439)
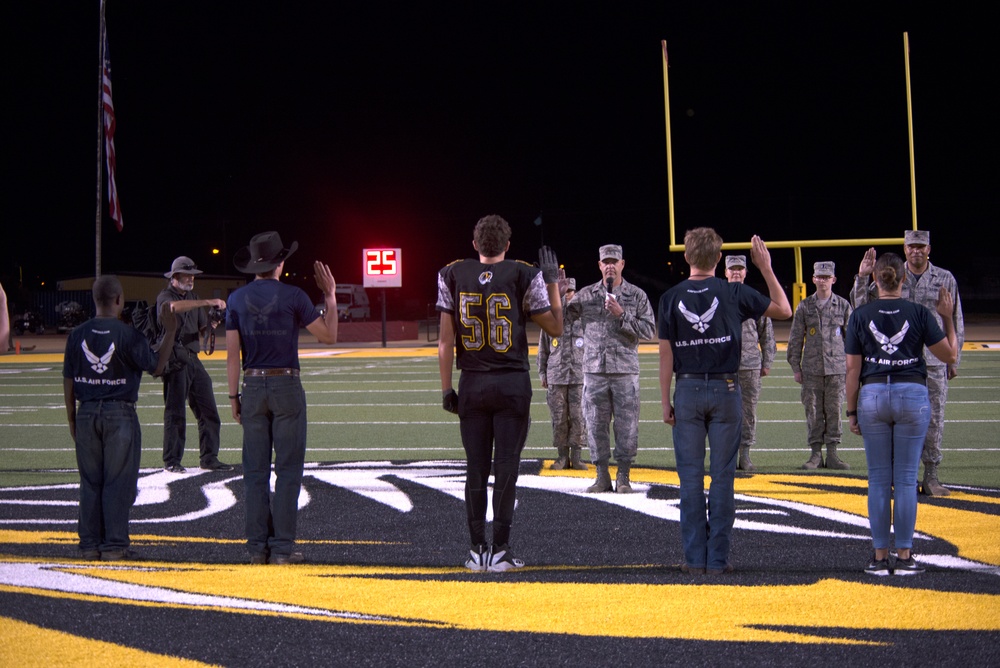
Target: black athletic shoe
(286,559)
(216,466)
(89,555)
(176,468)
(118,555)
(907,567)
(878,567)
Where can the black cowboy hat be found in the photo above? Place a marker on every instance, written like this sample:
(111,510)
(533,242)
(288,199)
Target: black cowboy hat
(264,253)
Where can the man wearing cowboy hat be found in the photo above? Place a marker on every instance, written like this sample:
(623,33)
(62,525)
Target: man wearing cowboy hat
(262,338)
(187,381)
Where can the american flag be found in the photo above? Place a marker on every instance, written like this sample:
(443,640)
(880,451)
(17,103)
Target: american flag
(109,140)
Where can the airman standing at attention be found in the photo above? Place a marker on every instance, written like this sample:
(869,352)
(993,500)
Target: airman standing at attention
(816,353)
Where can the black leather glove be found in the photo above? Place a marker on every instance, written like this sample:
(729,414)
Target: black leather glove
(450,401)
(549,263)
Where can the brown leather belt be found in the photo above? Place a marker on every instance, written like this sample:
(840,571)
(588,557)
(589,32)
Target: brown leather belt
(250,373)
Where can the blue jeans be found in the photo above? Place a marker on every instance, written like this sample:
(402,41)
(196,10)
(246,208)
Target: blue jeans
(108,446)
(273,417)
(190,385)
(712,408)
(893,420)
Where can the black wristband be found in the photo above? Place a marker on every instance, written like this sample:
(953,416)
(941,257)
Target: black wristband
(235,396)
(852,413)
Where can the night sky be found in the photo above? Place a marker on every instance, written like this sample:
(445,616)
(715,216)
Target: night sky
(346,125)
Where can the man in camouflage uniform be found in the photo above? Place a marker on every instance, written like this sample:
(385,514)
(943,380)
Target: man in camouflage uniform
(816,353)
(560,368)
(615,320)
(922,284)
(756,358)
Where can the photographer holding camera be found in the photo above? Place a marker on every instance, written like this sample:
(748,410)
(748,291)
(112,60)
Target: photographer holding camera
(186,380)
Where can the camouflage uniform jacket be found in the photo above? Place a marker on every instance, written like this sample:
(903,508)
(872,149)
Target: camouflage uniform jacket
(816,340)
(611,345)
(560,360)
(921,290)
(759,347)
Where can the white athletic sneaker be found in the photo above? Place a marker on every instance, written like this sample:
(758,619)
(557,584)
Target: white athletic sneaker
(502,559)
(479,558)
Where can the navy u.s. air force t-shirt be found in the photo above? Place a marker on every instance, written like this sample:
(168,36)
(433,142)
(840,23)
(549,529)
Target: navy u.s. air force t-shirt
(106,358)
(268,315)
(890,335)
(703,320)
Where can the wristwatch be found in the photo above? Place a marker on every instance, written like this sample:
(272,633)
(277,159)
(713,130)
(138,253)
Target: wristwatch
(851,413)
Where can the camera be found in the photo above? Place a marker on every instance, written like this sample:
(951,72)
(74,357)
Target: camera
(216,314)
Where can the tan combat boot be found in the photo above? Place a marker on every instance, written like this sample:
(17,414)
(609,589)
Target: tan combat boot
(574,460)
(744,463)
(622,483)
(603,482)
(931,486)
(815,461)
(833,461)
(562,461)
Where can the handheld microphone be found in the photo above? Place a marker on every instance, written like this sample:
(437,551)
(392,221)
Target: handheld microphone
(610,284)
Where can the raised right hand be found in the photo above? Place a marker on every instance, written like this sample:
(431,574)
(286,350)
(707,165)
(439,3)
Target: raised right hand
(867,263)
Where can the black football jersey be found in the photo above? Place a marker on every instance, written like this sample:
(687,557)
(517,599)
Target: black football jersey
(491,304)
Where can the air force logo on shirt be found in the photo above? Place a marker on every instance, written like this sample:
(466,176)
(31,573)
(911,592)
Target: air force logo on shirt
(890,344)
(699,322)
(98,364)
(261,314)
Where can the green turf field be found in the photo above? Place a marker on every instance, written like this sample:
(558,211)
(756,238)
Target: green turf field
(387,407)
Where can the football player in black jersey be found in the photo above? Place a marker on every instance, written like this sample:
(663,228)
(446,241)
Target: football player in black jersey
(484,306)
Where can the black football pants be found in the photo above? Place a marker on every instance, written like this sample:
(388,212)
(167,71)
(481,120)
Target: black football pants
(494,416)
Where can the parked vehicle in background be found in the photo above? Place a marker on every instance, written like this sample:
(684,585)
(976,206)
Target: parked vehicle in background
(352,303)
(71,314)
(29,321)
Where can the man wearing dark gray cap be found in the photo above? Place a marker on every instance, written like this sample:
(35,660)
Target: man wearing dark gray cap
(616,316)
(756,359)
(186,381)
(922,285)
(819,363)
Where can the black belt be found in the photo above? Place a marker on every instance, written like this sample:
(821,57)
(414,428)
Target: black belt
(707,376)
(249,373)
(890,379)
(101,402)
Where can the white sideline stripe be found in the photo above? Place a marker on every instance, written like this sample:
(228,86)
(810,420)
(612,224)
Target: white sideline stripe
(534,448)
(404,423)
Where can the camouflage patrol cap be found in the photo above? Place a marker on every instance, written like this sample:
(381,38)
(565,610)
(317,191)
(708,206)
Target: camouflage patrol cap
(610,251)
(916,238)
(736,261)
(824,269)
(571,282)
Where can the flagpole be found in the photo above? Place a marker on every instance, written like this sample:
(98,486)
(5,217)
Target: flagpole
(670,166)
(100,143)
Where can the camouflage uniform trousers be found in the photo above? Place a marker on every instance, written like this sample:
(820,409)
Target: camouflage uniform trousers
(750,388)
(937,391)
(607,396)
(823,398)
(566,406)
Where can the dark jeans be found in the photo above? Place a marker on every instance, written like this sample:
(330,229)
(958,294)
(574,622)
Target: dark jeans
(494,411)
(108,446)
(712,408)
(274,418)
(192,385)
